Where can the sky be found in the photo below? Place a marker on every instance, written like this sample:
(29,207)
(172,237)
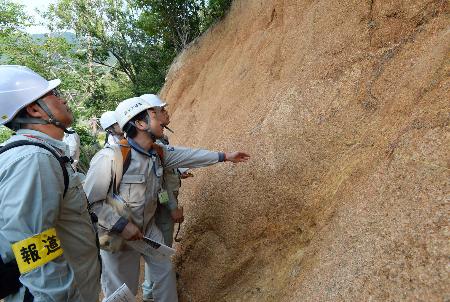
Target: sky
(30,8)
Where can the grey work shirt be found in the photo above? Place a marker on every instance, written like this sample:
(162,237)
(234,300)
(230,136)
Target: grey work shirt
(142,181)
(31,201)
(171,182)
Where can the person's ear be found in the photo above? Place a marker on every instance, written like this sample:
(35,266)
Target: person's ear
(140,125)
(34,110)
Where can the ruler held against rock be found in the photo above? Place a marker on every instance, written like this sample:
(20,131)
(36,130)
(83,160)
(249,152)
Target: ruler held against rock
(149,247)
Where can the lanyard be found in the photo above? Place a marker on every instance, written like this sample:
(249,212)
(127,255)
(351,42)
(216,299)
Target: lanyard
(152,154)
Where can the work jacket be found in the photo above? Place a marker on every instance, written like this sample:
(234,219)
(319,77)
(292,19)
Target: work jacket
(141,182)
(31,201)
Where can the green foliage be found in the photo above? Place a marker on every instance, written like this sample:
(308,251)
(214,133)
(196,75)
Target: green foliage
(12,17)
(215,10)
(89,146)
(86,154)
(175,22)
(109,31)
(122,48)
(53,56)
(107,94)
(101,138)
(86,136)
(139,39)
(5,134)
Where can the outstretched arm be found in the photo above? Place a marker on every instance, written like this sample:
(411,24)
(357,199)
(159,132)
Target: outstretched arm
(236,157)
(178,157)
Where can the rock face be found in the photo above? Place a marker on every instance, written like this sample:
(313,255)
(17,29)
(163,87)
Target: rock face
(345,109)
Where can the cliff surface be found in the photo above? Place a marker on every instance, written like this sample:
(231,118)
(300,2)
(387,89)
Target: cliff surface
(345,109)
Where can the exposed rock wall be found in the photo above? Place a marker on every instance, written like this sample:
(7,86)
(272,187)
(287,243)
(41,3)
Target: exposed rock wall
(345,109)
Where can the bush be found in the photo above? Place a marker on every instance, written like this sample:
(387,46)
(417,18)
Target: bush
(86,154)
(215,11)
(87,138)
(5,134)
(88,146)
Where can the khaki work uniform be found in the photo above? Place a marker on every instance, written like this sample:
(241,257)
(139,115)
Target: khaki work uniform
(31,201)
(139,189)
(163,218)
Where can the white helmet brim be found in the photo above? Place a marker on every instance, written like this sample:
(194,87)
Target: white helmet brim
(19,87)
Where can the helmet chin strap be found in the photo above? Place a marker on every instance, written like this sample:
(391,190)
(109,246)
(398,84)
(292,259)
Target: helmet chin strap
(114,135)
(51,119)
(148,129)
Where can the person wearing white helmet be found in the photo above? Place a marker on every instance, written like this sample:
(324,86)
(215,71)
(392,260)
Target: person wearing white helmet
(170,213)
(45,226)
(109,123)
(72,140)
(159,107)
(140,189)
(153,100)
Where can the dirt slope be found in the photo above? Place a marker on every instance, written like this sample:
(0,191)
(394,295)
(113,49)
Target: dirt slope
(345,108)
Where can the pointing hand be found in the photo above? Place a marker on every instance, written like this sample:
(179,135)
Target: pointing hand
(236,157)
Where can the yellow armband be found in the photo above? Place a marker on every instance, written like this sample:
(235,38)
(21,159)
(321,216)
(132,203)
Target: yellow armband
(37,250)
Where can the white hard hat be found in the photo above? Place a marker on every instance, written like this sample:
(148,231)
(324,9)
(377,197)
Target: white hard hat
(20,86)
(128,109)
(107,119)
(153,100)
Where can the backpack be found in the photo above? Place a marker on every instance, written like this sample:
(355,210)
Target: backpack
(9,272)
(113,242)
(123,151)
(122,160)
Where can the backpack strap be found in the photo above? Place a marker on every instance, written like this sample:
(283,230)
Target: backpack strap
(159,150)
(61,159)
(121,162)
(9,277)
(125,154)
(125,149)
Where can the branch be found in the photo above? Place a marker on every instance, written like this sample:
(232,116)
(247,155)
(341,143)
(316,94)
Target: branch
(104,64)
(122,63)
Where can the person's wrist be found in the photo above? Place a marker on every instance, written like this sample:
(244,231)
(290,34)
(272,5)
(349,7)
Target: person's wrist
(222,157)
(120,225)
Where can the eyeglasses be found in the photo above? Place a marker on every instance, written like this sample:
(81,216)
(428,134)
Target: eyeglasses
(54,92)
(159,109)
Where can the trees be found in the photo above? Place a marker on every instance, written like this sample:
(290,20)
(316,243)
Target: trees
(137,38)
(12,17)
(178,22)
(110,33)
(215,10)
(105,51)
(52,56)
(174,22)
